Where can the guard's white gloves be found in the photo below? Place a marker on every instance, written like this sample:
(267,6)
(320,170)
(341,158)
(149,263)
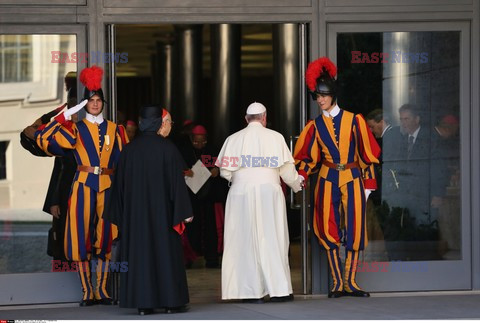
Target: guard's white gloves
(367,193)
(302,181)
(68,114)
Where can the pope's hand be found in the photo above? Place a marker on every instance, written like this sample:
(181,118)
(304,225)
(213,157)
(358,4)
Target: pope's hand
(298,184)
(67,114)
(302,181)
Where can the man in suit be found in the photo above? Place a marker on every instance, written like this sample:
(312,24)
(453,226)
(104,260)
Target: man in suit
(414,170)
(389,139)
(446,158)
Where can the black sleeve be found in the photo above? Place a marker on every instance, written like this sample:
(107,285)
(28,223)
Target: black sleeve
(182,208)
(52,197)
(114,207)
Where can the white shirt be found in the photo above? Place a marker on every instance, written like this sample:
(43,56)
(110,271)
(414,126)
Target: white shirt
(415,134)
(385,130)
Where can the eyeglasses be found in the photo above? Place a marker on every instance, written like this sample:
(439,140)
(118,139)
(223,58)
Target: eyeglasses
(171,122)
(199,142)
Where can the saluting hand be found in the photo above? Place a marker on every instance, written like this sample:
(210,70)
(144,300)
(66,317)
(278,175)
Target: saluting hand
(67,114)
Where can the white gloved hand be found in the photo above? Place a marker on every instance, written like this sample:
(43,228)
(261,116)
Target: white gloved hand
(298,184)
(367,193)
(302,181)
(67,114)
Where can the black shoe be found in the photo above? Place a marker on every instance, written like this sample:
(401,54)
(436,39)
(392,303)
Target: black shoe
(178,309)
(87,302)
(357,293)
(336,294)
(278,299)
(104,301)
(253,300)
(145,311)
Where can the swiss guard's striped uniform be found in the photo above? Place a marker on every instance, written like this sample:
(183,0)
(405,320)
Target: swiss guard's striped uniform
(96,148)
(340,146)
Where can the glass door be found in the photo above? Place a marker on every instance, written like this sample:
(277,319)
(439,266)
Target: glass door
(38,73)
(262,62)
(412,85)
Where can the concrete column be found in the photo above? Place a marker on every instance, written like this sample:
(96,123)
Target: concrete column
(154,76)
(226,65)
(165,74)
(188,41)
(287,78)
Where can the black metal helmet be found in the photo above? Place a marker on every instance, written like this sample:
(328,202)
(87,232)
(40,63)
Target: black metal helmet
(325,86)
(87,94)
(320,78)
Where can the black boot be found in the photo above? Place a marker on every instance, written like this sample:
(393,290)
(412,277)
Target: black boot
(351,287)
(87,302)
(145,311)
(335,264)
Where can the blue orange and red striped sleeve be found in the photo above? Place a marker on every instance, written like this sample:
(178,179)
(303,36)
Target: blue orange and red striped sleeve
(368,151)
(56,135)
(122,137)
(307,152)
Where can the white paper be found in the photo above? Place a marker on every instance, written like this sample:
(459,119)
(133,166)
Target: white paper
(200,175)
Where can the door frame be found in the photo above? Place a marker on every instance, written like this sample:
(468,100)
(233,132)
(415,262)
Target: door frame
(46,287)
(304,41)
(434,277)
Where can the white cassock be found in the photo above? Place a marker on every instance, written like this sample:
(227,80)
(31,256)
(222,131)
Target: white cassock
(255,256)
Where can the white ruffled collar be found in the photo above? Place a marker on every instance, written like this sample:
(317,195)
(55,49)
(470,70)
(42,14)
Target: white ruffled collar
(95,119)
(333,113)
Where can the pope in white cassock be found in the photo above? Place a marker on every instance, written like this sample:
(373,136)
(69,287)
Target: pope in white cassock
(255,256)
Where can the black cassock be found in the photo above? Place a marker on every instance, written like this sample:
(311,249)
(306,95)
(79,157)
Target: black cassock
(148,198)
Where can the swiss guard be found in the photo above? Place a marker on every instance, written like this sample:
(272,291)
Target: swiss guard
(339,146)
(96,145)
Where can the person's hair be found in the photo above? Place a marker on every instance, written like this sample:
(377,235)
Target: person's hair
(255,117)
(376,115)
(412,108)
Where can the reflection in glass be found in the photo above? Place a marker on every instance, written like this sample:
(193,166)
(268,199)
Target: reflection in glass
(15,58)
(407,85)
(31,84)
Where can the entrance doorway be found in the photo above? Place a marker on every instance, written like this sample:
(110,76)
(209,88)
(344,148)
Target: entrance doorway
(208,74)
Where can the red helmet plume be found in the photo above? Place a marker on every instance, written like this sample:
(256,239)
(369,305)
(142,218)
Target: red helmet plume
(316,68)
(91,77)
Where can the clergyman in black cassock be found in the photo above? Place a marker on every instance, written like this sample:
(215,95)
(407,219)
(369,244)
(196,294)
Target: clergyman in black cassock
(149,203)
